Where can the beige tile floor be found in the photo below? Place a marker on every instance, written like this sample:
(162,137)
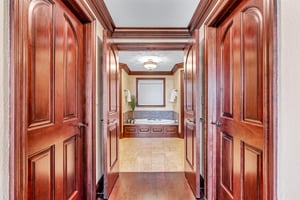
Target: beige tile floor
(151,155)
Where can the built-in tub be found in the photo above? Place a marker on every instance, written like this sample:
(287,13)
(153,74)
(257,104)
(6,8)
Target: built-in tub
(155,121)
(151,128)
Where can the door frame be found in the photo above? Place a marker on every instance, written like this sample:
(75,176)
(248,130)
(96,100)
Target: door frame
(271,131)
(18,101)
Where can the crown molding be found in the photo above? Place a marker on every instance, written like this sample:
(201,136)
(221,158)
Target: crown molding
(150,46)
(100,10)
(202,11)
(177,67)
(151,73)
(124,67)
(177,33)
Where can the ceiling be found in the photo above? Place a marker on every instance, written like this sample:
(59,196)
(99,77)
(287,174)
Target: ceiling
(165,60)
(151,14)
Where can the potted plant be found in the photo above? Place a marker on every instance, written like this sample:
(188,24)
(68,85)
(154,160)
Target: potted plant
(132,104)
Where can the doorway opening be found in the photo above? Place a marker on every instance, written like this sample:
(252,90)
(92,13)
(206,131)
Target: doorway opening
(150,111)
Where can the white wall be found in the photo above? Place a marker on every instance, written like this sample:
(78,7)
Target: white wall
(4,100)
(99,134)
(289,100)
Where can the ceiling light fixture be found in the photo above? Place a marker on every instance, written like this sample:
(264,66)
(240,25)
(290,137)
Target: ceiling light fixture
(150,64)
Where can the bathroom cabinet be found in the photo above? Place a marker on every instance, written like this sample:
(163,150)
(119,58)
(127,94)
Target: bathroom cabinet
(150,130)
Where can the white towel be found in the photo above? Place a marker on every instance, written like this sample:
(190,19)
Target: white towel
(173,95)
(128,96)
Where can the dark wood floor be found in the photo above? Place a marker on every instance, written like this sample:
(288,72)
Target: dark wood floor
(151,186)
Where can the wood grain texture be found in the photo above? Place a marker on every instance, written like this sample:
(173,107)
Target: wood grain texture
(239,59)
(111,126)
(41,71)
(174,33)
(50,31)
(192,115)
(149,186)
(150,130)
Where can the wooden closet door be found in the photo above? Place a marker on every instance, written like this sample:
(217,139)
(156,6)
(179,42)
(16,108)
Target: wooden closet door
(240,95)
(53,46)
(111,127)
(192,116)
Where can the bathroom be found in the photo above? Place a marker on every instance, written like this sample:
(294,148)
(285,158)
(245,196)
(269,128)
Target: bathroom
(157,92)
(152,132)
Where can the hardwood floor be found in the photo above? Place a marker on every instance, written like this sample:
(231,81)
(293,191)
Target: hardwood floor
(151,186)
(151,169)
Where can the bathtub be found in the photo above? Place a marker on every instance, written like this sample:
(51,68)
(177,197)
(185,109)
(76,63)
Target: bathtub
(155,121)
(151,128)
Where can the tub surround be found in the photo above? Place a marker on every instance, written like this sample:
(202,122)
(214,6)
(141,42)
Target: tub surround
(150,114)
(150,124)
(150,130)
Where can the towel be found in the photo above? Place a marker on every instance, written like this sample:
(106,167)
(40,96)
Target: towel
(128,96)
(173,95)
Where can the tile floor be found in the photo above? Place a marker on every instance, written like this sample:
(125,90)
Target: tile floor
(151,155)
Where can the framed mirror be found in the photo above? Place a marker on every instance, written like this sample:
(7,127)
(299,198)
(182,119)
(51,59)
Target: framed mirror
(150,92)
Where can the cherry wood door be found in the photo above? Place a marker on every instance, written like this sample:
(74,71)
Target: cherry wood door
(54,82)
(192,116)
(240,97)
(111,127)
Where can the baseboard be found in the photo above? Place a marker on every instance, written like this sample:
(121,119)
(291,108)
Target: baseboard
(100,187)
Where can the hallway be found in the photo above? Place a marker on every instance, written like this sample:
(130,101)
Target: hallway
(151,169)
(65,100)
(151,186)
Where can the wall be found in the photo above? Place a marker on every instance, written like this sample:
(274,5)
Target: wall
(289,103)
(169,86)
(99,137)
(201,79)
(176,83)
(125,86)
(4,100)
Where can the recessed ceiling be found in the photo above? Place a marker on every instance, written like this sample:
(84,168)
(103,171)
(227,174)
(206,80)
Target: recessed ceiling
(165,59)
(151,13)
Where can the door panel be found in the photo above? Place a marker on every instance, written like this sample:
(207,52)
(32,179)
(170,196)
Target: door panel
(70,166)
(54,101)
(239,108)
(40,64)
(71,81)
(251,172)
(111,115)
(41,169)
(226,72)
(227,162)
(252,65)
(189,144)
(192,116)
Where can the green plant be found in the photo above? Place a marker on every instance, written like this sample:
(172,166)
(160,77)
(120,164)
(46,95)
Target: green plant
(132,103)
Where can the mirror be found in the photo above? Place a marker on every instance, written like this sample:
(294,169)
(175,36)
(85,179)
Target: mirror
(150,92)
